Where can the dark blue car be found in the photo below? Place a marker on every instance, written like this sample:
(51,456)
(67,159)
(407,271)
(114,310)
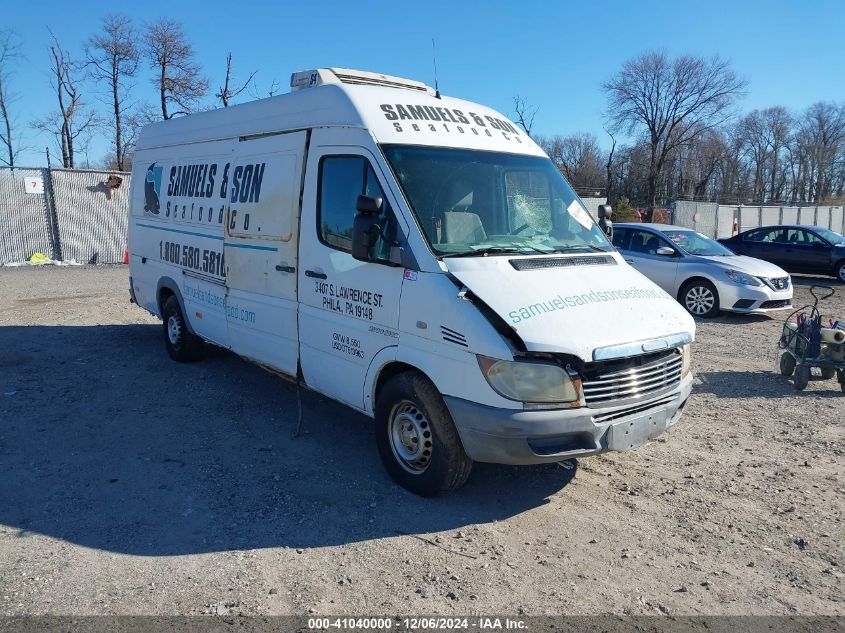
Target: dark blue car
(795,248)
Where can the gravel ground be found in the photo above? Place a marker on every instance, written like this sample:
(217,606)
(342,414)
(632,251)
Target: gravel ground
(133,485)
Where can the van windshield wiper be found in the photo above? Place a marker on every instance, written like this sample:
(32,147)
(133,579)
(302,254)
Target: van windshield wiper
(487,250)
(591,247)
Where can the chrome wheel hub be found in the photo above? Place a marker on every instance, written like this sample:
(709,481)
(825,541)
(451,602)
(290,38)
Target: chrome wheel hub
(700,300)
(174,329)
(410,437)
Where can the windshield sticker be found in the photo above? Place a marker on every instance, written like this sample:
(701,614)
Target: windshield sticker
(573,301)
(580,214)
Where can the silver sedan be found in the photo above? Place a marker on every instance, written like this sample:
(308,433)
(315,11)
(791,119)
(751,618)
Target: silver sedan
(702,274)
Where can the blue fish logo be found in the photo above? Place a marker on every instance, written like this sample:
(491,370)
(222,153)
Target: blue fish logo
(152,190)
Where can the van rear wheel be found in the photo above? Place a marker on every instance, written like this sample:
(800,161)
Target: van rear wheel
(417,439)
(182,345)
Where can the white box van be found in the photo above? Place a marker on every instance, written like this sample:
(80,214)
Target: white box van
(414,256)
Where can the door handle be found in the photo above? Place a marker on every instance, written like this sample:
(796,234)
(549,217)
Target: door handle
(285,269)
(630,261)
(315,274)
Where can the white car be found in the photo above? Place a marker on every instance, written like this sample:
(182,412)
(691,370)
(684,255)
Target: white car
(703,275)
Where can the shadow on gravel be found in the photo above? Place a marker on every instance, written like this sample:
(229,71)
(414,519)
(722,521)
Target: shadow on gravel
(106,443)
(812,280)
(755,384)
(733,319)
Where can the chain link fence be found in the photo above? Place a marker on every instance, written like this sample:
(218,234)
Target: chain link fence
(719,220)
(66,214)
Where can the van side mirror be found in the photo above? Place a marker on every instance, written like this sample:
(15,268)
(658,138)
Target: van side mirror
(365,227)
(666,251)
(605,211)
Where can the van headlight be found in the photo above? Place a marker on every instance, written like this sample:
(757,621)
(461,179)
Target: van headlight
(528,381)
(742,279)
(686,360)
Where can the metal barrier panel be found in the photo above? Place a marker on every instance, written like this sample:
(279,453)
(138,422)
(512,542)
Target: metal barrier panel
(790,215)
(769,216)
(725,221)
(699,216)
(837,220)
(716,220)
(748,218)
(806,215)
(592,205)
(91,225)
(25,222)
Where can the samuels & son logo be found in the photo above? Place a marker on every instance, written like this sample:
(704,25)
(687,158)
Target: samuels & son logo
(152,189)
(426,118)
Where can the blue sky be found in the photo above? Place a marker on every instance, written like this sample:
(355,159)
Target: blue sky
(555,54)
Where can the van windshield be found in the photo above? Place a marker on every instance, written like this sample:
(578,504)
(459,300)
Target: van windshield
(487,203)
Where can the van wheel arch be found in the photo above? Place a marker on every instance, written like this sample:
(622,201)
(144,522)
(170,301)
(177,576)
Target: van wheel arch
(390,370)
(164,294)
(167,288)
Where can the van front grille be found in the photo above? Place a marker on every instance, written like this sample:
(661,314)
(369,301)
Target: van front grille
(644,376)
(633,410)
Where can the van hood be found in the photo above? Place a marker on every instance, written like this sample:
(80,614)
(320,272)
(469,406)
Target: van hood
(560,304)
(749,265)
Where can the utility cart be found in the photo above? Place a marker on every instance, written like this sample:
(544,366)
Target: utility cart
(811,340)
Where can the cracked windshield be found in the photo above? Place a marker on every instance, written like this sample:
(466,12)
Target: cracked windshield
(480,203)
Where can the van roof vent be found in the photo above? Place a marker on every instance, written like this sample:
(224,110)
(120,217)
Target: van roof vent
(560,262)
(322,76)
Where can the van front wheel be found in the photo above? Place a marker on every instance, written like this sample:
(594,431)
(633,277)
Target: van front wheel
(416,438)
(182,345)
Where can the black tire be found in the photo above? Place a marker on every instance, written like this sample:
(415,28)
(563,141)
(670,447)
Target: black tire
(410,412)
(802,377)
(700,298)
(182,345)
(841,377)
(828,372)
(839,271)
(787,364)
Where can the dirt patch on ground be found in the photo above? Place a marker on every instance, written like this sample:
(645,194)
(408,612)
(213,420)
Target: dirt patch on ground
(133,485)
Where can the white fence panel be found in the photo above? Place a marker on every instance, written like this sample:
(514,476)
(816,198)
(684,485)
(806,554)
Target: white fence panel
(717,220)
(790,215)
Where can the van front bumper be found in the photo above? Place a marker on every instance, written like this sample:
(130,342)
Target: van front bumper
(511,436)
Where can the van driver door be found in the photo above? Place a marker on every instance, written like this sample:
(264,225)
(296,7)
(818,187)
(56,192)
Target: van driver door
(264,183)
(349,309)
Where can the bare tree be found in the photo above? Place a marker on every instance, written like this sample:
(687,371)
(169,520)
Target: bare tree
(609,170)
(227,92)
(178,77)
(71,123)
(112,57)
(9,54)
(524,113)
(578,157)
(822,134)
(671,102)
